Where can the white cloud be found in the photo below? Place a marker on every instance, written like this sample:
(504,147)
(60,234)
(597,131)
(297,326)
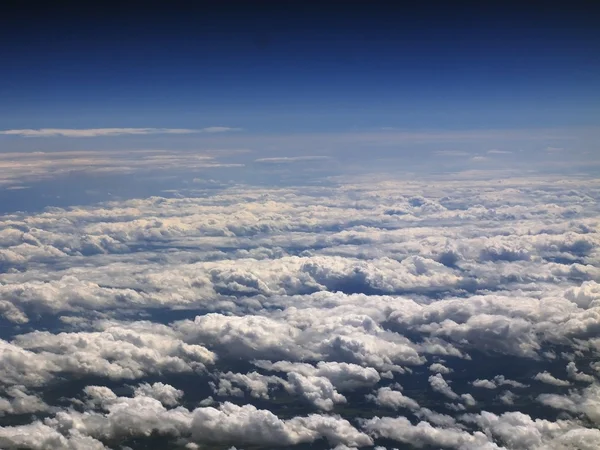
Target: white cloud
(440,385)
(37,436)
(440,368)
(19,167)
(218,129)
(486,384)
(586,402)
(548,378)
(325,295)
(317,390)
(118,351)
(521,432)
(390,398)
(164,393)
(258,385)
(497,381)
(248,425)
(344,376)
(424,434)
(576,375)
(19,401)
(508,397)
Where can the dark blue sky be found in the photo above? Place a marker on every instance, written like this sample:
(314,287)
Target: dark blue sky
(300,66)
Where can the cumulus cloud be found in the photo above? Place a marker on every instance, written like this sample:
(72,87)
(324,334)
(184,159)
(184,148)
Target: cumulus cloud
(216,312)
(118,352)
(520,431)
(317,390)
(576,375)
(344,376)
(424,434)
(164,393)
(19,401)
(487,384)
(586,402)
(508,397)
(548,378)
(438,384)
(497,381)
(394,399)
(439,368)
(248,425)
(37,436)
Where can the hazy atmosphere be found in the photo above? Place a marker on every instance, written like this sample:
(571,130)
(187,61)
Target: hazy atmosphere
(292,225)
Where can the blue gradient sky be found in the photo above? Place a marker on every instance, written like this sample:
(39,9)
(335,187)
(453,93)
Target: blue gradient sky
(301,68)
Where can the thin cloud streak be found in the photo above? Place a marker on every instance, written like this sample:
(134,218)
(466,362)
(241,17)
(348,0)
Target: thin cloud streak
(290,159)
(104,132)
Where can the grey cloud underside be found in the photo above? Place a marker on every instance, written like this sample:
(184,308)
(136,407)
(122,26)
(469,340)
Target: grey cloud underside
(417,314)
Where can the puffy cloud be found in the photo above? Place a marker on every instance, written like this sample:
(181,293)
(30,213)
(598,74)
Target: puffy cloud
(548,378)
(258,385)
(390,398)
(138,416)
(344,376)
(487,384)
(508,397)
(439,368)
(317,385)
(317,390)
(248,336)
(19,401)
(324,294)
(520,431)
(576,375)
(164,393)
(424,434)
(497,381)
(585,296)
(468,399)
(440,385)
(37,436)
(246,425)
(587,402)
(118,351)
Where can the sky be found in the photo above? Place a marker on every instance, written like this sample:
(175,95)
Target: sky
(405,88)
(282,67)
(291,225)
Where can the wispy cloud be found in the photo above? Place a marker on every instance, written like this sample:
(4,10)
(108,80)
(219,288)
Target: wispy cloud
(290,159)
(218,129)
(99,132)
(19,167)
(498,152)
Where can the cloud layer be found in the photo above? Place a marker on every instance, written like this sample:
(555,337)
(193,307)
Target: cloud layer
(450,314)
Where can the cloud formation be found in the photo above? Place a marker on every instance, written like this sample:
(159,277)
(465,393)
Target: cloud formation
(416,312)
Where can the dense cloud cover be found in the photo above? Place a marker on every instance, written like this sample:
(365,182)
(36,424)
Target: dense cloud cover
(400,314)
